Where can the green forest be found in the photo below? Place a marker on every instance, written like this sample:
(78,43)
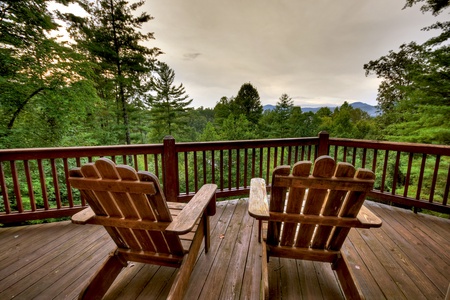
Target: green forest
(107,86)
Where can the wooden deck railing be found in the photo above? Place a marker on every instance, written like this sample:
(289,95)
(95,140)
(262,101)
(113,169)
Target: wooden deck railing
(34,182)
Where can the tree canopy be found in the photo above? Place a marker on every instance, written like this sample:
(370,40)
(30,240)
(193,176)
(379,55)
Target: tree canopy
(106,86)
(414,93)
(169,105)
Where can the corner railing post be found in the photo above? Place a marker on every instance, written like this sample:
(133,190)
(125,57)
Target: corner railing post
(170,166)
(322,148)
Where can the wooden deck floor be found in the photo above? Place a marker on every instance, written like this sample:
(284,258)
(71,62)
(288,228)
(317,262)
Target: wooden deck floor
(407,258)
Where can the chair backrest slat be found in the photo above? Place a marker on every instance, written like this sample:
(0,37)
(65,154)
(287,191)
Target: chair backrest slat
(333,205)
(134,196)
(323,168)
(331,190)
(295,203)
(350,208)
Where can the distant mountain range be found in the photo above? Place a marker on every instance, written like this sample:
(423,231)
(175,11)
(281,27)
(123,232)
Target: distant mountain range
(370,109)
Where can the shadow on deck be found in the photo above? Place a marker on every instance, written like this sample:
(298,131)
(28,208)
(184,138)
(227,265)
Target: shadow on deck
(407,258)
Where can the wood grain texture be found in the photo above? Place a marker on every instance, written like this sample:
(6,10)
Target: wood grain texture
(132,208)
(322,206)
(401,260)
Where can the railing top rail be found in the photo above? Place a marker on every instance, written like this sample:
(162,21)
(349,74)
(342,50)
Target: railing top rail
(393,146)
(67,152)
(242,144)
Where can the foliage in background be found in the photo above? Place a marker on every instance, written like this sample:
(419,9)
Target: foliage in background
(110,36)
(169,106)
(414,95)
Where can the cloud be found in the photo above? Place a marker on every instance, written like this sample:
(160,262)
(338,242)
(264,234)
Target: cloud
(191,56)
(313,49)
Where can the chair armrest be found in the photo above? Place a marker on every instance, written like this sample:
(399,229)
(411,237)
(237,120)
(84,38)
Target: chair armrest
(368,218)
(258,206)
(83,217)
(193,210)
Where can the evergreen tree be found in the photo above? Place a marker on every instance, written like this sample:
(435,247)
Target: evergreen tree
(303,124)
(283,111)
(169,105)
(248,103)
(413,95)
(42,81)
(110,36)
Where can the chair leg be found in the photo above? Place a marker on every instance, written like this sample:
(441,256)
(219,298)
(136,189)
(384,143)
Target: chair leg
(347,279)
(264,273)
(181,280)
(207,233)
(105,276)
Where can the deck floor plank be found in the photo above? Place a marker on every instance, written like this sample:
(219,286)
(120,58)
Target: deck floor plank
(251,281)
(371,275)
(206,261)
(217,274)
(426,274)
(407,258)
(231,289)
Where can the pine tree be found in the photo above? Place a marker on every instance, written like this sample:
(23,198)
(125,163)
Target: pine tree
(42,80)
(110,35)
(248,103)
(283,111)
(169,104)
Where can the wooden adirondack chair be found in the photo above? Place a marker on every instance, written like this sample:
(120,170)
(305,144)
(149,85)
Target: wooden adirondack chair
(143,225)
(309,216)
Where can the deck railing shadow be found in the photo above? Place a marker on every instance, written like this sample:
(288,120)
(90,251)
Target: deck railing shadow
(34,182)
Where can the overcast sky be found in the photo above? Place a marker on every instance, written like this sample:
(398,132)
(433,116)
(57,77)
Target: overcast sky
(312,50)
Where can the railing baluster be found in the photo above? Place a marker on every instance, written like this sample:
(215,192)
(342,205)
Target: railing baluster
(26,166)
(383,176)
(422,169)
(238,167)
(309,152)
(336,152)
(374,163)
(213,167)
(396,170)
(245,167)
(16,186)
(43,185)
(55,183)
(145,162)
(221,170)
(204,166)
(230,163)
(354,157)
(253,162)
(447,187)
(275,157)
(289,155)
(195,172)
(435,175)
(4,190)
(268,168)
(408,175)
(155,160)
(261,159)
(69,190)
(136,163)
(363,163)
(186,172)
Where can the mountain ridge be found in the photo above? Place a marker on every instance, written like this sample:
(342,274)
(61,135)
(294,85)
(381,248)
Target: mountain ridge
(370,109)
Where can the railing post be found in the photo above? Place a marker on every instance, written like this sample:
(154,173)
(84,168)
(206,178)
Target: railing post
(170,165)
(322,148)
